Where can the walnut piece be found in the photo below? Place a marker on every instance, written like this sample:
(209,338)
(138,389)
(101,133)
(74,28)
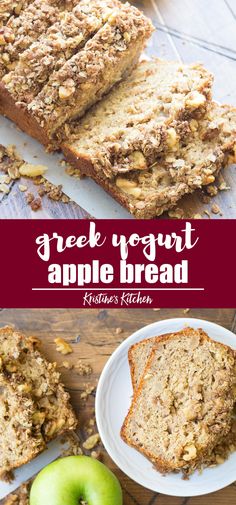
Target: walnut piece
(190,452)
(29,170)
(62,346)
(91,441)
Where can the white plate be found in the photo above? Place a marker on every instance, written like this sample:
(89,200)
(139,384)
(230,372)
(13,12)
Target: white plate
(112,403)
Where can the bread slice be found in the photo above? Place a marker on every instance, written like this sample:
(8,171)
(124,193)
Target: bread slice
(35,407)
(141,117)
(183,405)
(138,356)
(81,73)
(147,193)
(20,439)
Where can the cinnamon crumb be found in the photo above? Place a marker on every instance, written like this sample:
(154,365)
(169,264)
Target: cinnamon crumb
(83,368)
(36,204)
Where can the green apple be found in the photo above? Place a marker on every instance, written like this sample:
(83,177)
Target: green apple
(70,480)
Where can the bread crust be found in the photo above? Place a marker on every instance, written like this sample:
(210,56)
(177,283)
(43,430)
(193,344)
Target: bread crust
(21,117)
(160,464)
(131,358)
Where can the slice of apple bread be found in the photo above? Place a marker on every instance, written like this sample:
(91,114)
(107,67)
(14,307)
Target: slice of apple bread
(35,407)
(148,192)
(140,118)
(183,406)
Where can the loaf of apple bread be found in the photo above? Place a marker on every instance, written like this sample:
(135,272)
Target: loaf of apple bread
(59,58)
(34,406)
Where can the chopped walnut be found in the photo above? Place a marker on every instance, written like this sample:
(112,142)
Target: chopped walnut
(215,209)
(223,186)
(36,204)
(91,441)
(97,455)
(67,365)
(212,190)
(176,213)
(29,170)
(22,188)
(87,392)
(118,331)
(190,452)
(62,346)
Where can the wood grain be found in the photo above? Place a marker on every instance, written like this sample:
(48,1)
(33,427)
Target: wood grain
(93,336)
(188,31)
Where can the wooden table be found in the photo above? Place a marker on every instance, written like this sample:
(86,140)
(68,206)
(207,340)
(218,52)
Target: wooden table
(188,31)
(93,336)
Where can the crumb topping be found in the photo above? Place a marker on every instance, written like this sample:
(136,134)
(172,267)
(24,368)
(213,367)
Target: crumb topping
(53,48)
(21,31)
(92,70)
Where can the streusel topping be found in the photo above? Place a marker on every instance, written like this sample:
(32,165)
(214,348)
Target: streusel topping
(52,49)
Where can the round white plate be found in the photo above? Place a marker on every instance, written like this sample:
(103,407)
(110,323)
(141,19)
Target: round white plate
(113,399)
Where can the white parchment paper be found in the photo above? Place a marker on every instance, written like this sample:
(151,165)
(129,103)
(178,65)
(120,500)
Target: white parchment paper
(84,192)
(27,471)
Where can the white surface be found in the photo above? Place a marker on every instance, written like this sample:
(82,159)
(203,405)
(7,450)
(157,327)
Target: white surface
(112,403)
(27,471)
(85,192)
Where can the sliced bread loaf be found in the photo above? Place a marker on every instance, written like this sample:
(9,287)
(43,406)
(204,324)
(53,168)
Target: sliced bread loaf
(183,405)
(141,117)
(37,402)
(81,72)
(147,193)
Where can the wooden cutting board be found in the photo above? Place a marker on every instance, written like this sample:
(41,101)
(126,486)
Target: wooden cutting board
(94,335)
